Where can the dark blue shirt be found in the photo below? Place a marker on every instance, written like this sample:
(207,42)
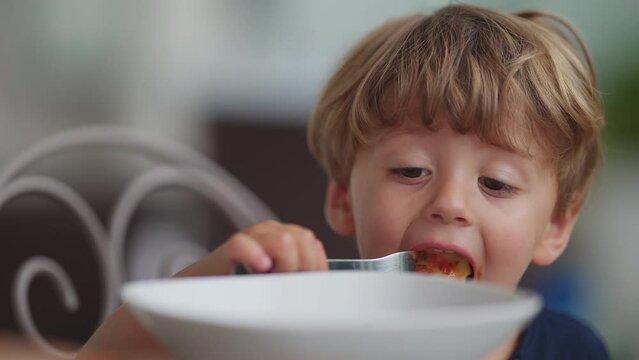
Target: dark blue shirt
(552,335)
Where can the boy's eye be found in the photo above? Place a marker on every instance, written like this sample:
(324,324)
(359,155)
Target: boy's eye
(495,185)
(410,172)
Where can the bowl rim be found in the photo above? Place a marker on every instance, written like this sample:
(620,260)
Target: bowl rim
(518,305)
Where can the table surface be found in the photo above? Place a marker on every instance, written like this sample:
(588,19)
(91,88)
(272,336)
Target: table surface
(15,346)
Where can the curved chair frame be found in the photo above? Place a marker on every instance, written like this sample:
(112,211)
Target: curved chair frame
(181,166)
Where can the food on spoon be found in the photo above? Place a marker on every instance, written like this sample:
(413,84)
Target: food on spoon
(443,262)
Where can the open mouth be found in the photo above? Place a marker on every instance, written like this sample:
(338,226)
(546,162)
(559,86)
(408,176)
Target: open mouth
(443,262)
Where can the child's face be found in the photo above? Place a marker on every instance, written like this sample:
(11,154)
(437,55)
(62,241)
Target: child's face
(415,189)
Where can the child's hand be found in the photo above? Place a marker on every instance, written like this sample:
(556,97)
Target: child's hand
(268,246)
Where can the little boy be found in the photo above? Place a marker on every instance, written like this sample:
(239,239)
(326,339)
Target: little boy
(467,131)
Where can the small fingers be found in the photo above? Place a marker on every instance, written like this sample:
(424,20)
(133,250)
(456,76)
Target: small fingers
(243,249)
(268,246)
(292,247)
(238,249)
(312,256)
(321,261)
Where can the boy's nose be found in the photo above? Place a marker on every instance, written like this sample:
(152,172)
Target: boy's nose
(449,205)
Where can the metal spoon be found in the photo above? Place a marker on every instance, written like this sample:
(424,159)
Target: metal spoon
(399,261)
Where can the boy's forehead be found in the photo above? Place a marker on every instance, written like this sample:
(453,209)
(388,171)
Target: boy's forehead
(512,128)
(412,118)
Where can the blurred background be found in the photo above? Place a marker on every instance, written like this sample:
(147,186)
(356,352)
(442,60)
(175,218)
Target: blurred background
(236,80)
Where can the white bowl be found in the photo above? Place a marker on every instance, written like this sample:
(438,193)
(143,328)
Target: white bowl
(329,315)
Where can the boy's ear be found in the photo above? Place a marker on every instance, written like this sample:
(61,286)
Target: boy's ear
(338,210)
(557,236)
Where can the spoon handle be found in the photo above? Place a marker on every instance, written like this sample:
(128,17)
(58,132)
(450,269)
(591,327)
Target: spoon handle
(400,261)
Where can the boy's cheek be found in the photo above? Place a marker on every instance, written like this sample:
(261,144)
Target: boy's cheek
(505,259)
(379,233)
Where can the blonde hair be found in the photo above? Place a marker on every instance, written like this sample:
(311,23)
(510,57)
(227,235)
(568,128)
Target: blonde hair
(496,75)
